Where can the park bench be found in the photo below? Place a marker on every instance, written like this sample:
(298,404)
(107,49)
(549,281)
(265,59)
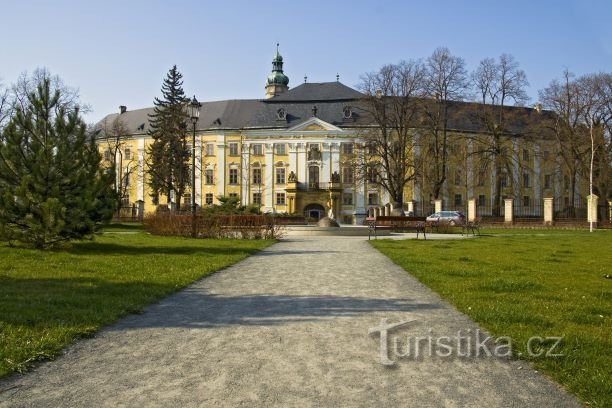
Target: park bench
(398,224)
(473,226)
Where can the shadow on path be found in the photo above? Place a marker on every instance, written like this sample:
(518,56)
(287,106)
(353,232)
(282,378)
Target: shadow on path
(193,309)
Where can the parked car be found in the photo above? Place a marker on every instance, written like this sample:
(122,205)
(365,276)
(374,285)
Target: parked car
(453,217)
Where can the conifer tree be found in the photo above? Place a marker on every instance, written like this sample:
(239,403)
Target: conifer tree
(169,153)
(52,188)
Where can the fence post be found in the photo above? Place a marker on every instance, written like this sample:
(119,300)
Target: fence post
(411,207)
(472,210)
(438,205)
(508,210)
(592,208)
(548,211)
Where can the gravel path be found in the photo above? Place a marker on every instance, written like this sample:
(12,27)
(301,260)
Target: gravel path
(287,327)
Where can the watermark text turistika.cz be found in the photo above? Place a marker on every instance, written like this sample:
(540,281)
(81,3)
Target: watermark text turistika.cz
(463,344)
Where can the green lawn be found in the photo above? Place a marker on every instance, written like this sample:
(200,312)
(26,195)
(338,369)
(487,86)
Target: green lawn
(523,283)
(49,299)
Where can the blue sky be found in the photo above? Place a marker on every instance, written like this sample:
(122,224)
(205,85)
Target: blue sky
(118,52)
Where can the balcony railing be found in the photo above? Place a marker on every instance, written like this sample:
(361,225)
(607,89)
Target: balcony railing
(314,186)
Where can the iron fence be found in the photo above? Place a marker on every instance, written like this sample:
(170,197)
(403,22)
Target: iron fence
(489,210)
(533,210)
(565,211)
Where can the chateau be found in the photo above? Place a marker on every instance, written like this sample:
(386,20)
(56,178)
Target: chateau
(290,152)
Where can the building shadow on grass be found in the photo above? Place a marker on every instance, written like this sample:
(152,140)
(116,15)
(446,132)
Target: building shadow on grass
(92,248)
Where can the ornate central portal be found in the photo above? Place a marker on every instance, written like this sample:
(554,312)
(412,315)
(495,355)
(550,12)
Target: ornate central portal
(316,211)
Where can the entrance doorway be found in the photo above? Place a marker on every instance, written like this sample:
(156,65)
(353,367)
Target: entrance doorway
(316,211)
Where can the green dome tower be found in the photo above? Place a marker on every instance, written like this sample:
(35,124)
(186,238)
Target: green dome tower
(277,81)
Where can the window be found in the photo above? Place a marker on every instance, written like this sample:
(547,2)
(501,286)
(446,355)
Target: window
(347,112)
(257,198)
(210,149)
(126,178)
(187,200)
(372,198)
(503,180)
(125,201)
(458,177)
(233,149)
(107,154)
(482,200)
(347,199)
(372,176)
(209,176)
(566,182)
(280,175)
(525,201)
(233,176)
(128,154)
(280,149)
(233,195)
(526,180)
(458,200)
(370,148)
(347,219)
(256,176)
(257,149)
(481,178)
(347,148)
(348,175)
(525,154)
(547,181)
(313,176)
(545,154)
(208,198)
(280,198)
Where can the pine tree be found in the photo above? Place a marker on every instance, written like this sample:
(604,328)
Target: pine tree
(169,153)
(52,188)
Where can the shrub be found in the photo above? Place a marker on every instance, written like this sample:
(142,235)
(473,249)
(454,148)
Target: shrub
(237,226)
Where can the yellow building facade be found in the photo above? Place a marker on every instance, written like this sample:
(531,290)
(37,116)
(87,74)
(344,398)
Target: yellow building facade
(292,152)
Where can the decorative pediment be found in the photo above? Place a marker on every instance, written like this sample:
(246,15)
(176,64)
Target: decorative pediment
(315,125)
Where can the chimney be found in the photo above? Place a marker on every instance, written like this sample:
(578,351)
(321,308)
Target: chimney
(538,107)
(122,109)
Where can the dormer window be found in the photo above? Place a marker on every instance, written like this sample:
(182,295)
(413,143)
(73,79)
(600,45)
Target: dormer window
(347,112)
(281,114)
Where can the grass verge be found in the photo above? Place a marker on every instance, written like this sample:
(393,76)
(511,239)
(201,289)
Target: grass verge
(525,284)
(49,299)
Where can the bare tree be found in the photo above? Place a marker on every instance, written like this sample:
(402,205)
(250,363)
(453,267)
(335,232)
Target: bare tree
(597,116)
(26,84)
(388,159)
(113,136)
(582,127)
(568,101)
(497,85)
(445,81)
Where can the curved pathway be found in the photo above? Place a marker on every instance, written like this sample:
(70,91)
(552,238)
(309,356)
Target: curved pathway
(287,327)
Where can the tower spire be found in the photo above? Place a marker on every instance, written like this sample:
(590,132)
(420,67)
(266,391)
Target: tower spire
(277,81)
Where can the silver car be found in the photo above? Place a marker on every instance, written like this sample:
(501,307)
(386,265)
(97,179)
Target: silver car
(453,217)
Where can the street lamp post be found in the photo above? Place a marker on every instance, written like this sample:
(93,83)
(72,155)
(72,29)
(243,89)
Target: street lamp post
(194,107)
